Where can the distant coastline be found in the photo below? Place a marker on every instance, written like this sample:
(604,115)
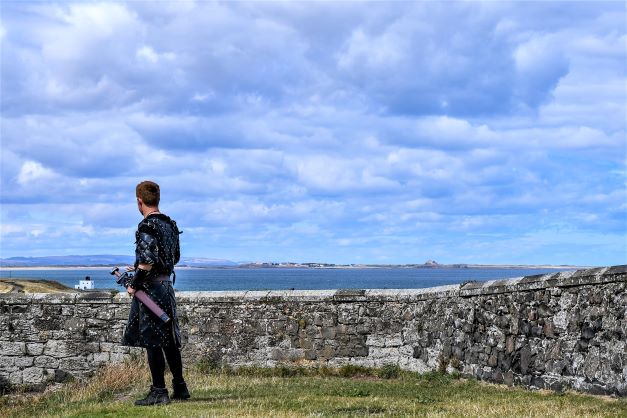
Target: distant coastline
(315,266)
(405,266)
(107,261)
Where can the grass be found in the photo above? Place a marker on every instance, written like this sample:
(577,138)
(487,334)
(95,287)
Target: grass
(291,391)
(32,286)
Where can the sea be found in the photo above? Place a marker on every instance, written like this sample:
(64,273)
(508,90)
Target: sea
(194,279)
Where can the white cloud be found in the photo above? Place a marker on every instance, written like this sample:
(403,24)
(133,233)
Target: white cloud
(148,54)
(32,171)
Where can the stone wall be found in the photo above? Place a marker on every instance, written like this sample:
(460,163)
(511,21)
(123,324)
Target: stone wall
(554,331)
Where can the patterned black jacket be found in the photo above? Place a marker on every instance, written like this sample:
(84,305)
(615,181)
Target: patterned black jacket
(157,244)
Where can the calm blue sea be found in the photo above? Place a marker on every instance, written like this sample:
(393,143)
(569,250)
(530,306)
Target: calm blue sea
(275,279)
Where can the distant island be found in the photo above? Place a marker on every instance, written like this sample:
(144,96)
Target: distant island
(92,261)
(427,265)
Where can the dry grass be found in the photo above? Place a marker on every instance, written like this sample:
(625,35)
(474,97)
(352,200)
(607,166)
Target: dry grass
(33,286)
(6,287)
(109,383)
(295,392)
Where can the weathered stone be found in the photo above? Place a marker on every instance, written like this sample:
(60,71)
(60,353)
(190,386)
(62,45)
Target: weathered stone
(587,332)
(492,360)
(23,361)
(328,332)
(100,357)
(544,310)
(74,324)
(11,348)
(510,344)
(548,329)
(61,376)
(525,359)
(33,375)
(15,377)
(34,349)
(46,361)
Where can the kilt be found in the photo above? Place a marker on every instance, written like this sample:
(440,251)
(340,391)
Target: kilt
(144,328)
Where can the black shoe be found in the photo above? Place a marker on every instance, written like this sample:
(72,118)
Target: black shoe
(179,391)
(155,396)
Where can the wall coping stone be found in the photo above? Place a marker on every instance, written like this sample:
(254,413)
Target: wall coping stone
(571,278)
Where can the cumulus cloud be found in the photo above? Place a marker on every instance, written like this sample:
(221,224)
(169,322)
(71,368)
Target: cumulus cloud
(338,132)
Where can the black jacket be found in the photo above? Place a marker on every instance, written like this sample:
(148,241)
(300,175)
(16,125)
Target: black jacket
(157,244)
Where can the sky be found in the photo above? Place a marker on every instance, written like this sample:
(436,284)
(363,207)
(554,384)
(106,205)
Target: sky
(339,132)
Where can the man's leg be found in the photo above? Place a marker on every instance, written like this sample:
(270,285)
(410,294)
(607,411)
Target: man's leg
(179,387)
(173,355)
(158,393)
(157,366)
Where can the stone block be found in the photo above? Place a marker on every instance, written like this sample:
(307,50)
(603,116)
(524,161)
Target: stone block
(548,329)
(375,341)
(61,376)
(53,298)
(344,329)
(121,313)
(510,344)
(74,324)
(525,359)
(347,317)
(328,332)
(311,355)
(23,361)
(327,352)
(493,360)
(12,348)
(68,348)
(107,347)
(19,309)
(106,313)
(46,361)
(393,341)
(100,358)
(34,349)
(33,375)
(67,310)
(73,363)
(15,377)
(118,357)
(94,299)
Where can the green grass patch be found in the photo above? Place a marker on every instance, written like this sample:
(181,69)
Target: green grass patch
(296,391)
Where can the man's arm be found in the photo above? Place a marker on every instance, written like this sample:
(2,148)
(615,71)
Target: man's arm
(146,267)
(146,255)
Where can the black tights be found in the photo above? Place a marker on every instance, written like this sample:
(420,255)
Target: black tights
(157,364)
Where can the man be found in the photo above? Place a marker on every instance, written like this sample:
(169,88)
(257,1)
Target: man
(157,251)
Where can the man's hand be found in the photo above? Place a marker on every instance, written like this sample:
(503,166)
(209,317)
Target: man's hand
(130,291)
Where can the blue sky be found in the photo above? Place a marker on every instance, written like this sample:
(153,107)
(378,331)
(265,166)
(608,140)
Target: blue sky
(463,132)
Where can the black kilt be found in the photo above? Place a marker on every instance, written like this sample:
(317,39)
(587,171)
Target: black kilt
(144,328)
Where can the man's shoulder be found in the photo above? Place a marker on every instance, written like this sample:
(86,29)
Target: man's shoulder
(156,223)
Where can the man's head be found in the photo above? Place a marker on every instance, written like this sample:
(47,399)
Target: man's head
(148,194)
